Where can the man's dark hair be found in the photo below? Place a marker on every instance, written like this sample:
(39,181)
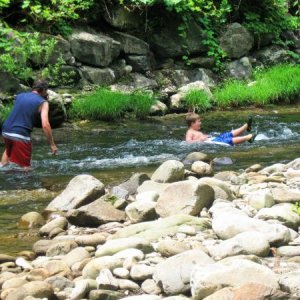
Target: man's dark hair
(40,84)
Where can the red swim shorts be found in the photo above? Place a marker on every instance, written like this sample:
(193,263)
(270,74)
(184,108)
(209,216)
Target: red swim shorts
(18,152)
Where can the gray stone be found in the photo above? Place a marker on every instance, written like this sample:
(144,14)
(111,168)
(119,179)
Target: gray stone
(201,168)
(187,197)
(81,190)
(76,255)
(196,156)
(141,272)
(236,41)
(205,280)
(105,294)
(169,171)
(94,49)
(149,286)
(91,239)
(59,222)
(152,186)
(128,285)
(104,76)
(285,194)
(96,213)
(61,248)
(140,211)
(240,69)
(106,280)
(289,251)
(260,199)
(32,220)
(158,108)
(139,63)
(59,283)
(290,282)
(174,274)
(272,55)
(131,44)
(9,84)
(171,247)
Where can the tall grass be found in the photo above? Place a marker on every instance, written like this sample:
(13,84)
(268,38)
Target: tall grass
(108,105)
(278,84)
(198,100)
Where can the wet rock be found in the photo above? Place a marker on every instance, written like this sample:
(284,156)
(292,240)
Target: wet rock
(174,274)
(196,156)
(187,197)
(205,280)
(59,222)
(32,220)
(80,191)
(221,161)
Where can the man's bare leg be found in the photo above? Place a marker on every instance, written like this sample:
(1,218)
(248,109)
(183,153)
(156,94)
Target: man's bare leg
(4,159)
(238,131)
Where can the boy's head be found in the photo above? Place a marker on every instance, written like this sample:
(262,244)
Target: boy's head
(193,121)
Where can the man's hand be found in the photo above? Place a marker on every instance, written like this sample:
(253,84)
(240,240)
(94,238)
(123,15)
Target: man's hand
(53,149)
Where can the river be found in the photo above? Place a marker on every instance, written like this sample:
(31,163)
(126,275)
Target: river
(113,152)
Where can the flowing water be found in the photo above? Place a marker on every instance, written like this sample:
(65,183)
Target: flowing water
(113,152)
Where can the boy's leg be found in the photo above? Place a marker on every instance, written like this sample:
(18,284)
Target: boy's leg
(4,159)
(238,131)
(241,139)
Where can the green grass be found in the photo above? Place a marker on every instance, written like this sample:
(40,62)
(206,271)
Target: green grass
(108,105)
(198,100)
(278,84)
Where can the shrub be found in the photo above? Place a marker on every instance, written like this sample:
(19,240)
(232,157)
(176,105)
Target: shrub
(198,100)
(108,105)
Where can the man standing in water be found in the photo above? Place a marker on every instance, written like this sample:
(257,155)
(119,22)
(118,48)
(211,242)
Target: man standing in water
(17,127)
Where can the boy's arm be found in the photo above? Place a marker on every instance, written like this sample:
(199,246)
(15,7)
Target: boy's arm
(46,126)
(189,137)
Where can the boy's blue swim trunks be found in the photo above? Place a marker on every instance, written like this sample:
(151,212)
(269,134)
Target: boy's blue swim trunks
(225,137)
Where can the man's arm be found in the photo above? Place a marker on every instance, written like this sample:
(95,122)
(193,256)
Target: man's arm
(46,126)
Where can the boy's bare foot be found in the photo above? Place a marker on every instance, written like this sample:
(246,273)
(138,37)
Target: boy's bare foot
(253,137)
(249,123)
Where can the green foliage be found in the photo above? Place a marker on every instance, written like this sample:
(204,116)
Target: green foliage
(4,112)
(274,85)
(107,105)
(198,100)
(21,51)
(296,208)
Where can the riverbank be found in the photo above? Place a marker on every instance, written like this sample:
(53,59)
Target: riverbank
(104,240)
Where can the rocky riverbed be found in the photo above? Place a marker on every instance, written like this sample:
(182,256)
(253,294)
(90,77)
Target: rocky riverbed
(185,233)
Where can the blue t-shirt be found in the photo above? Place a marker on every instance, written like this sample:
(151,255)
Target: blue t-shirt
(22,118)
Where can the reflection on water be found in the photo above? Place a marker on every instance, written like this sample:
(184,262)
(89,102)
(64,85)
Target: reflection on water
(113,154)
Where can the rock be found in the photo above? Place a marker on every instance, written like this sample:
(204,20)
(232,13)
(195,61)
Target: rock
(205,280)
(171,247)
(128,285)
(82,288)
(117,245)
(9,84)
(284,194)
(38,274)
(158,108)
(152,186)
(185,197)
(196,156)
(91,239)
(32,220)
(57,267)
(240,69)
(289,251)
(103,76)
(131,44)
(201,168)
(93,268)
(222,161)
(121,273)
(236,41)
(174,274)
(153,230)
(95,214)
(166,42)
(59,283)
(139,63)
(40,247)
(221,189)
(142,297)
(169,171)
(149,286)
(6,258)
(260,199)
(289,282)
(229,222)
(94,49)
(272,55)
(140,211)
(141,272)
(59,222)
(106,280)
(151,196)
(38,289)
(130,253)
(23,263)
(81,190)
(283,213)
(244,243)
(13,283)
(105,294)
(76,255)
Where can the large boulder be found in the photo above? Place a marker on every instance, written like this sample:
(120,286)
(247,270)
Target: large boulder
(81,190)
(140,211)
(94,49)
(240,69)
(205,280)
(185,197)
(166,42)
(9,84)
(169,171)
(96,213)
(174,274)
(100,76)
(272,55)
(236,41)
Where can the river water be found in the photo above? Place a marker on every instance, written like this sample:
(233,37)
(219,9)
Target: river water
(113,152)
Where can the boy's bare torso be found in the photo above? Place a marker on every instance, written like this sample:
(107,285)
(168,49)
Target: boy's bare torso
(195,135)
